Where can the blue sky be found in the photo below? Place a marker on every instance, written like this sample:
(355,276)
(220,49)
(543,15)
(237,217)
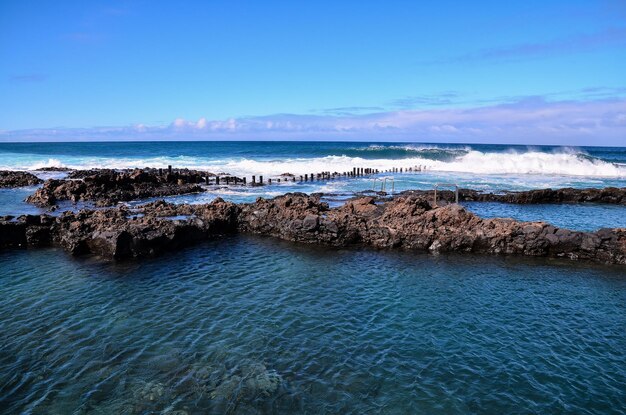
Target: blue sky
(398,70)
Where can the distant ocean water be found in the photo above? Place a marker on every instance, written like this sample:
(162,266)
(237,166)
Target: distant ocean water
(273,158)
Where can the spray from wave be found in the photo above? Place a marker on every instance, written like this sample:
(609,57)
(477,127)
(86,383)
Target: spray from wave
(565,162)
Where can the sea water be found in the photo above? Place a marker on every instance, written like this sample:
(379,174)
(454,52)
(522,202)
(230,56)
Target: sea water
(483,167)
(257,326)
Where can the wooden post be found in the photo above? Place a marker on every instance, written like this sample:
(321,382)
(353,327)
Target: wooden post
(253,179)
(169,169)
(244,181)
(261,179)
(269,181)
(306,177)
(217,179)
(207,178)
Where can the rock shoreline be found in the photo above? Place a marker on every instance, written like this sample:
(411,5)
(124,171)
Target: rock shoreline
(409,222)
(107,187)
(607,195)
(9,179)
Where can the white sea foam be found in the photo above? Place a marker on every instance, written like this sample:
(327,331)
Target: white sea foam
(414,148)
(567,162)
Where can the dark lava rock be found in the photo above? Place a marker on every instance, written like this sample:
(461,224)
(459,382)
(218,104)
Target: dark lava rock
(55,169)
(119,233)
(107,187)
(409,222)
(18,179)
(610,195)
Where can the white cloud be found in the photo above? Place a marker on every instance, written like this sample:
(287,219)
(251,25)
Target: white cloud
(201,124)
(531,121)
(180,122)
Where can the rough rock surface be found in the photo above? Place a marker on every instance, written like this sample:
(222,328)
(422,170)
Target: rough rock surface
(18,179)
(411,222)
(612,195)
(107,187)
(407,222)
(119,232)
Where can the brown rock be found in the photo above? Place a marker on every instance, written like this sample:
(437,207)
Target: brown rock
(18,179)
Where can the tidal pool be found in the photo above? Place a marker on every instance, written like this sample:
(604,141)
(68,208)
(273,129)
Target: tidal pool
(255,325)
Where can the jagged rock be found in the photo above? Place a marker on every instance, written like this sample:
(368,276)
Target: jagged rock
(612,195)
(409,222)
(18,179)
(108,187)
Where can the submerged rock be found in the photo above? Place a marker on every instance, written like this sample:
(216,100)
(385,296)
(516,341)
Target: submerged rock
(150,391)
(18,179)
(247,384)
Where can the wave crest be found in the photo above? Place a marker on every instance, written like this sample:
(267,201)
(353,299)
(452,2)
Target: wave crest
(567,162)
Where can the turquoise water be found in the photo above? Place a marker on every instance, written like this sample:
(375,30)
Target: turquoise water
(476,166)
(580,217)
(252,325)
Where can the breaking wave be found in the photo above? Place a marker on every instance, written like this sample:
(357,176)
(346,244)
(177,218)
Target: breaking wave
(565,162)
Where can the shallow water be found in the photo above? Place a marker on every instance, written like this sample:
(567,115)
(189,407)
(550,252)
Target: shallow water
(254,325)
(581,217)
(584,217)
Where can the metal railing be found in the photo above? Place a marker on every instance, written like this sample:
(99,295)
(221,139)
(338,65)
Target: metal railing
(383,183)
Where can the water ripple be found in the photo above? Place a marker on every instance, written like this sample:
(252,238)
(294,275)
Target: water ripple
(248,325)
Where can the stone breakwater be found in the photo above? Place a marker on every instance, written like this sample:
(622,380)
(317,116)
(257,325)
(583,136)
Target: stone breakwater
(408,222)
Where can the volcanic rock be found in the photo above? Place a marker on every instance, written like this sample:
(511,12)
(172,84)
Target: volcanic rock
(410,222)
(108,187)
(609,195)
(10,178)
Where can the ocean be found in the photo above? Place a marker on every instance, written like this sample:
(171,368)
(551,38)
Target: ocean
(253,325)
(482,167)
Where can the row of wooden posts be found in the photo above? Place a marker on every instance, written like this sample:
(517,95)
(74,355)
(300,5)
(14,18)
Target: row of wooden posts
(327,175)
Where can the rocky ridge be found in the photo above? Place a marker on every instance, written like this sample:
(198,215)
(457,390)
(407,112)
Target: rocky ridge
(609,195)
(408,222)
(9,178)
(108,187)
